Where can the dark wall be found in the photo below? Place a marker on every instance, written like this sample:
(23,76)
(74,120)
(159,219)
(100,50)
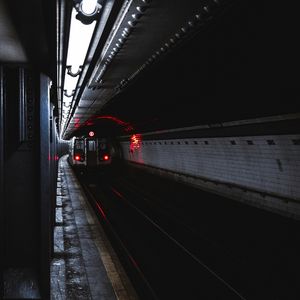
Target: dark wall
(29,165)
(1,184)
(21,178)
(46,188)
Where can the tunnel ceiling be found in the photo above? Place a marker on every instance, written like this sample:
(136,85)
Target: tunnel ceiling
(182,65)
(144,33)
(28,34)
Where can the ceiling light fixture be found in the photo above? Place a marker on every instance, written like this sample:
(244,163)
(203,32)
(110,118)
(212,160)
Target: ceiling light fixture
(88,10)
(80,36)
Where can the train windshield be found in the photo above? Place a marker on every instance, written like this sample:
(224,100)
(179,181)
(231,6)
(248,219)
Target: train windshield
(102,144)
(91,145)
(79,145)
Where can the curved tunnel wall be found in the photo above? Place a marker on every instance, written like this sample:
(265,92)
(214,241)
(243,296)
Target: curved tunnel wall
(262,170)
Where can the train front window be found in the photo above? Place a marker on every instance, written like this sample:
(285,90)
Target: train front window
(102,144)
(79,145)
(91,146)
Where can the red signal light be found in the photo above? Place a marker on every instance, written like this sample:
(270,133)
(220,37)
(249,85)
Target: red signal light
(106,157)
(91,133)
(77,157)
(135,142)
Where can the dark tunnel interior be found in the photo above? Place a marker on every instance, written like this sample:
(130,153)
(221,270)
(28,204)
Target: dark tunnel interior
(242,66)
(150,153)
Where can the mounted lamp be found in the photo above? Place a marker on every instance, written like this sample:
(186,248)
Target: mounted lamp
(88,10)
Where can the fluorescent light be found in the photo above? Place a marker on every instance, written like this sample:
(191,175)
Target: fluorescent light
(79,41)
(70,83)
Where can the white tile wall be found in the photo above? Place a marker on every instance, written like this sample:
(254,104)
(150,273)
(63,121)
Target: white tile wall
(267,168)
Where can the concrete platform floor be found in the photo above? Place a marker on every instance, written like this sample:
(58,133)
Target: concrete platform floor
(85,265)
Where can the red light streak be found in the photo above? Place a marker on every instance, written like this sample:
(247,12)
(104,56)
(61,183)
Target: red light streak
(127,125)
(134,262)
(77,123)
(88,123)
(101,210)
(117,193)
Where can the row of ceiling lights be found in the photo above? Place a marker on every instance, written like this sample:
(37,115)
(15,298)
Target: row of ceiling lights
(82,26)
(204,15)
(135,17)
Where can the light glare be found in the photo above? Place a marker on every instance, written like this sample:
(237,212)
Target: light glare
(70,83)
(79,41)
(88,6)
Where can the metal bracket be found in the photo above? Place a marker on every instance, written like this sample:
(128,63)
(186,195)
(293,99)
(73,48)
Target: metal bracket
(69,71)
(69,95)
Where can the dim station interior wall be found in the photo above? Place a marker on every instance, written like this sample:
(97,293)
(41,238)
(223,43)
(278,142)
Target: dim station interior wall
(261,170)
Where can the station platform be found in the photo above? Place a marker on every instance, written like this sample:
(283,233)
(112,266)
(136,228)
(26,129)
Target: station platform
(84,264)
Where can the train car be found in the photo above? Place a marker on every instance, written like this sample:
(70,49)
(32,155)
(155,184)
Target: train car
(105,152)
(77,156)
(90,153)
(98,152)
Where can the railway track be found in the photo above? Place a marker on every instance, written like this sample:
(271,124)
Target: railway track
(168,254)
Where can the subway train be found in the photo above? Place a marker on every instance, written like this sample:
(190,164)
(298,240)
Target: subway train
(90,152)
